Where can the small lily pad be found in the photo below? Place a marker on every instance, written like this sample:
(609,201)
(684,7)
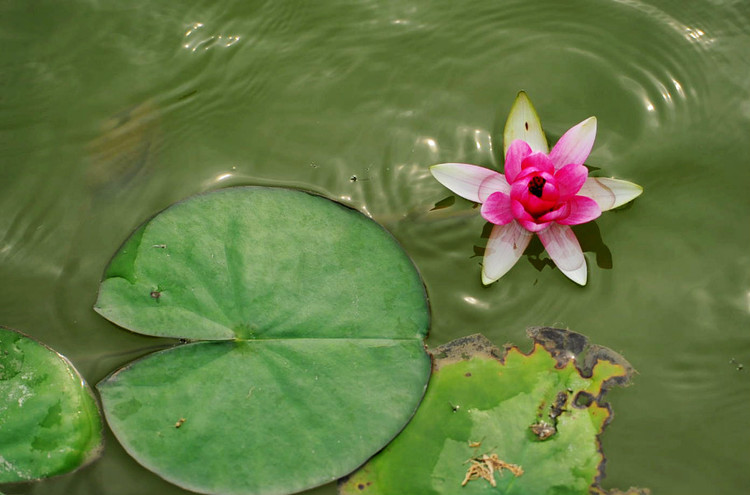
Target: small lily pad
(308,323)
(49,419)
(501,421)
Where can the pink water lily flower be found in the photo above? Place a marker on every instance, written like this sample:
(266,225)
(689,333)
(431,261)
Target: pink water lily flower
(542,192)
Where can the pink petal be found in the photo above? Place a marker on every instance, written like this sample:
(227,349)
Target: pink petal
(582,210)
(538,161)
(462,179)
(560,211)
(497,209)
(492,184)
(575,145)
(519,212)
(533,225)
(562,246)
(610,193)
(570,178)
(505,246)
(517,151)
(525,219)
(536,206)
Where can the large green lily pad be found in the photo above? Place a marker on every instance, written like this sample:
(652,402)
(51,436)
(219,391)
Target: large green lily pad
(308,321)
(501,421)
(49,420)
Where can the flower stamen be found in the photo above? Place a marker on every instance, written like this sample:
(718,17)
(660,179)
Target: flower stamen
(536,186)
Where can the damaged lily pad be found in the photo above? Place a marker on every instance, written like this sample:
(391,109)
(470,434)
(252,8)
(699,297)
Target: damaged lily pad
(49,420)
(500,421)
(307,321)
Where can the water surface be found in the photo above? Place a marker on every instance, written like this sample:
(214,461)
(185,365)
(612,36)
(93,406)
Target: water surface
(111,111)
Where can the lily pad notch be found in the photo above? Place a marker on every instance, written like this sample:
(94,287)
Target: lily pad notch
(307,323)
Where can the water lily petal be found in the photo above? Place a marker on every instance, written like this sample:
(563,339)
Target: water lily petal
(492,184)
(505,246)
(517,151)
(562,246)
(497,209)
(537,206)
(519,212)
(610,193)
(523,123)
(525,219)
(560,211)
(533,226)
(570,179)
(538,161)
(575,145)
(582,210)
(462,179)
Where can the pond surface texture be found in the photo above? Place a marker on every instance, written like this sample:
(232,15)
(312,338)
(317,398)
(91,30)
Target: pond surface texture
(113,110)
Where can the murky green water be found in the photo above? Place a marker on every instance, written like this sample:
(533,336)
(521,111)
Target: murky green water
(110,111)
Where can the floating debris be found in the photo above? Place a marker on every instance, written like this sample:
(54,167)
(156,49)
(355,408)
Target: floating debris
(484,468)
(543,430)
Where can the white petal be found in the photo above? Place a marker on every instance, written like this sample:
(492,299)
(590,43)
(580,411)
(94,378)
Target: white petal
(505,246)
(575,145)
(463,179)
(562,246)
(523,123)
(493,184)
(610,193)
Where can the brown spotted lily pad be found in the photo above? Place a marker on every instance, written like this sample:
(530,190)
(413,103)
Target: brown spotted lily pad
(501,421)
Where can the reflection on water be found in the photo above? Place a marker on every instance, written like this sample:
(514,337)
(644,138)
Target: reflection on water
(588,235)
(123,149)
(196,39)
(111,112)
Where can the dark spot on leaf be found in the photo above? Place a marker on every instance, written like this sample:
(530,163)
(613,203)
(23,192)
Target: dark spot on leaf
(54,416)
(49,438)
(559,342)
(583,399)
(467,374)
(12,359)
(124,409)
(353,178)
(557,407)
(526,124)
(155,294)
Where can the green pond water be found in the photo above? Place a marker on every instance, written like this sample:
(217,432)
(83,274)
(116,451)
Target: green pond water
(110,111)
